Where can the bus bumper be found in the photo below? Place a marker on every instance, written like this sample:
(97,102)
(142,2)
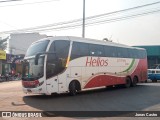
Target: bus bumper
(35,91)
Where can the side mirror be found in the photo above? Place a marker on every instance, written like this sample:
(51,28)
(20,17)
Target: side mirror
(37,56)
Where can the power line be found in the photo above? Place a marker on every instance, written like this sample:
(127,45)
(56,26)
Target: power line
(78,22)
(91,17)
(96,22)
(28,3)
(8,24)
(4,1)
(124,10)
(97,16)
(125,17)
(99,22)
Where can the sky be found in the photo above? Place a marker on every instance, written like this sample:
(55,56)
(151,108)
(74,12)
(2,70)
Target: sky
(143,30)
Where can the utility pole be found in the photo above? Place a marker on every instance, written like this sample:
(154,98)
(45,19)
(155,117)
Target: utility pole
(83,27)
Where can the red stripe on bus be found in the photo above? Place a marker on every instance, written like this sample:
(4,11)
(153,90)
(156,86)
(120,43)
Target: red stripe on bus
(106,80)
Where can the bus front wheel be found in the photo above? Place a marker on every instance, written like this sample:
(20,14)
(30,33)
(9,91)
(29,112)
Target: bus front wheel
(72,88)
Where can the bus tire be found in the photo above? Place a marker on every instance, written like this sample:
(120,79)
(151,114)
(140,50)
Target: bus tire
(154,80)
(109,87)
(128,82)
(135,81)
(74,87)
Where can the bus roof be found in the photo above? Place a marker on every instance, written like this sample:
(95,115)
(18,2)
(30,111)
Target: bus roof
(88,40)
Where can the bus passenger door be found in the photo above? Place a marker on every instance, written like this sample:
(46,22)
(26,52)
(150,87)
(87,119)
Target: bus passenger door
(52,85)
(62,81)
(51,74)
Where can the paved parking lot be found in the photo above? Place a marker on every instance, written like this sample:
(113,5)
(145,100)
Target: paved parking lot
(144,97)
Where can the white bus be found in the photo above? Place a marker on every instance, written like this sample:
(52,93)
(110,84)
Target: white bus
(72,64)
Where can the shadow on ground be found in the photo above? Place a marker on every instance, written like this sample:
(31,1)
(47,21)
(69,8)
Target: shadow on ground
(115,99)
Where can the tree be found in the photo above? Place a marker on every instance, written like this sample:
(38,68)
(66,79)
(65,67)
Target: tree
(3,43)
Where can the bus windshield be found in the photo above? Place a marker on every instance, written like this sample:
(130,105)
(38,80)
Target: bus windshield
(55,63)
(32,71)
(37,48)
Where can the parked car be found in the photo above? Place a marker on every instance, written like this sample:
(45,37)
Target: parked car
(154,74)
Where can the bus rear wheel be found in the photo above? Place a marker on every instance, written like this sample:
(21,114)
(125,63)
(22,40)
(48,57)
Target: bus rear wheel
(135,81)
(128,82)
(154,80)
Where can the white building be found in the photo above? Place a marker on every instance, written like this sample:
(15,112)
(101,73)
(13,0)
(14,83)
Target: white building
(18,43)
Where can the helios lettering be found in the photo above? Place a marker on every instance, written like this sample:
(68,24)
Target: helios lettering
(96,61)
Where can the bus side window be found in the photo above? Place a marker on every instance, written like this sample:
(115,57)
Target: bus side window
(56,62)
(119,52)
(143,54)
(100,51)
(96,50)
(92,50)
(84,49)
(132,53)
(110,51)
(135,52)
(122,52)
(75,50)
(79,50)
(62,50)
(50,62)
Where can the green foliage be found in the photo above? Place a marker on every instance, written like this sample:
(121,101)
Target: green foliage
(3,43)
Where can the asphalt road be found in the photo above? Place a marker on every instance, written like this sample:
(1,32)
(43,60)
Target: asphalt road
(143,97)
